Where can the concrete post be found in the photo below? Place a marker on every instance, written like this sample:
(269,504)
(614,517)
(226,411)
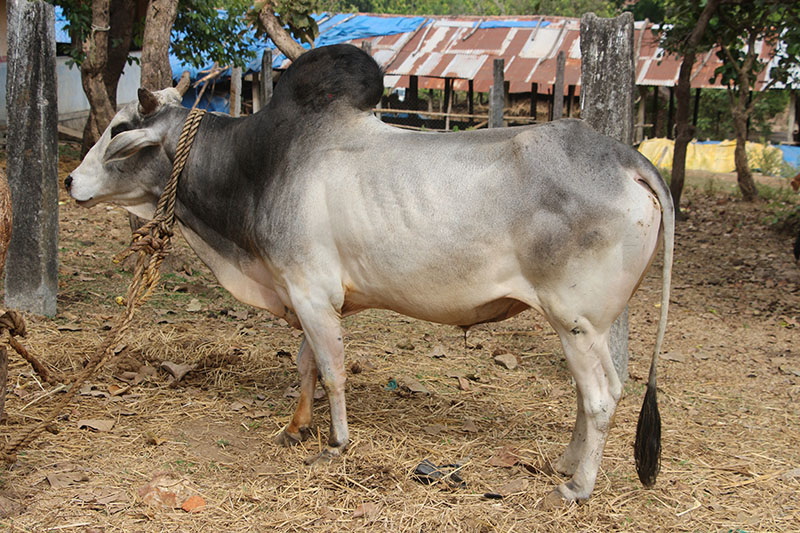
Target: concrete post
(497,95)
(32,157)
(558,86)
(607,96)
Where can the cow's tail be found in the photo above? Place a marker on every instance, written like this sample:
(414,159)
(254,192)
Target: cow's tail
(647,449)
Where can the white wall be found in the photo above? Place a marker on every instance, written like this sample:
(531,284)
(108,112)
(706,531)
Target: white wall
(72,102)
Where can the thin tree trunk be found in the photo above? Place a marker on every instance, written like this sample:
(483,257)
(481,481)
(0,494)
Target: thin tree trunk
(156,71)
(745,178)
(92,75)
(685,131)
(123,13)
(282,38)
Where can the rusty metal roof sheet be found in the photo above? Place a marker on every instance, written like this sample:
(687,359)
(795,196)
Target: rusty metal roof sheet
(464,48)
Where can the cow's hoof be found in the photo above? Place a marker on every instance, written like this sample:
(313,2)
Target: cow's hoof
(560,496)
(564,467)
(287,438)
(325,456)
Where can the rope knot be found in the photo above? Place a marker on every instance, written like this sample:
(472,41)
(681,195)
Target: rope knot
(14,323)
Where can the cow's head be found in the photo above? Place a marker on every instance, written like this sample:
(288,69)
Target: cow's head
(129,164)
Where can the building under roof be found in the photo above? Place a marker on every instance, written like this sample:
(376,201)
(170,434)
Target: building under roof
(463,48)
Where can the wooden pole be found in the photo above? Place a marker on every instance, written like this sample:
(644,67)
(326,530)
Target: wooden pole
(670,113)
(412,97)
(607,95)
(534,99)
(641,114)
(496,95)
(266,77)
(471,98)
(558,86)
(790,122)
(655,112)
(570,99)
(236,91)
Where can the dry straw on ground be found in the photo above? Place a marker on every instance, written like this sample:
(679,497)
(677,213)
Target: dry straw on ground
(729,388)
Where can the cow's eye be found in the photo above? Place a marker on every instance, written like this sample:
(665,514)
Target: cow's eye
(119,128)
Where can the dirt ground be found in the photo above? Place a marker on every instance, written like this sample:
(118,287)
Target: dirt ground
(729,389)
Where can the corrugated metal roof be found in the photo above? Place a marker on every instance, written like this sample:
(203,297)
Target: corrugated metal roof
(462,48)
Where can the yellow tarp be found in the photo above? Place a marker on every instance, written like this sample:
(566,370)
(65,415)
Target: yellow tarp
(711,157)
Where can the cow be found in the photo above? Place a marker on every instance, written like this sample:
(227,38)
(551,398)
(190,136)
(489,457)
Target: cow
(314,209)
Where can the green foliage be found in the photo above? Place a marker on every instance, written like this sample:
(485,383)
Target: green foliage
(79,23)
(714,121)
(567,8)
(203,35)
(294,14)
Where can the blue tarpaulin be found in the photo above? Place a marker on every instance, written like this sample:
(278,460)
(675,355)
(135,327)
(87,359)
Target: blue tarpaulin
(791,154)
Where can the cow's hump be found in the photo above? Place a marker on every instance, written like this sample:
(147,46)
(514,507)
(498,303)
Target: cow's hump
(337,73)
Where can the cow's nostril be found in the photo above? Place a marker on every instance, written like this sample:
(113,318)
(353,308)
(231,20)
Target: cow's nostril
(68,182)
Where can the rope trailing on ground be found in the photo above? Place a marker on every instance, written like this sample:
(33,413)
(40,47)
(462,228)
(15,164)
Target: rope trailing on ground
(12,323)
(151,242)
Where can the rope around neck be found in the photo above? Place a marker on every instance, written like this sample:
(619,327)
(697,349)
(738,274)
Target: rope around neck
(151,241)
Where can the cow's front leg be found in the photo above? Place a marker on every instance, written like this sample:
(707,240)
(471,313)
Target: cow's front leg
(322,326)
(299,428)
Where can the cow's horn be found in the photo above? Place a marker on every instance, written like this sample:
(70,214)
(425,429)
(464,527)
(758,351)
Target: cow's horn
(183,84)
(147,102)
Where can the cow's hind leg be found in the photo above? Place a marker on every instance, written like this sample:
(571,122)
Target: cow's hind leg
(299,428)
(599,389)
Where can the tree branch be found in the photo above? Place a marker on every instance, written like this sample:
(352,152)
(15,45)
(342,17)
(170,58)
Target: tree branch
(282,38)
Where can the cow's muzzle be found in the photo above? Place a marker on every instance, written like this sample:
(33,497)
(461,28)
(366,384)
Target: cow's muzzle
(68,182)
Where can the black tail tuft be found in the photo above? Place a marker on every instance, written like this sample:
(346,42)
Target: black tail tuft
(647,449)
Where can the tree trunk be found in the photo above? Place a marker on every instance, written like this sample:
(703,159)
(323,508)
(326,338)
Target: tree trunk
(122,17)
(685,131)
(745,178)
(282,38)
(156,71)
(5,219)
(93,70)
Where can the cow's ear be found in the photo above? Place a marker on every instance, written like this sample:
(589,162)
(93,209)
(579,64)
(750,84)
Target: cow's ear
(127,143)
(148,102)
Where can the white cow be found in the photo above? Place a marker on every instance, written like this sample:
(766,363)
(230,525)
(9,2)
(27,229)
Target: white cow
(314,209)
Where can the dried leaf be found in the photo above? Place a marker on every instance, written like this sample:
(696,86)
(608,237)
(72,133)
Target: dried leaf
(166,489)
(65,479)
(262,413)
(177,371)
(241,314)
(505,457)
(673,356)
(291,392)
(237,406)
(92,390)
(367,510)
(96,424)
(134,378)
(470,426)
(153,439)
(69,327)
(514,486)
(790,370)
(413,385)
(507,360)
(463,383)
(194,504)
(434,429)
(194,306)
(438,352)
(9,507)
